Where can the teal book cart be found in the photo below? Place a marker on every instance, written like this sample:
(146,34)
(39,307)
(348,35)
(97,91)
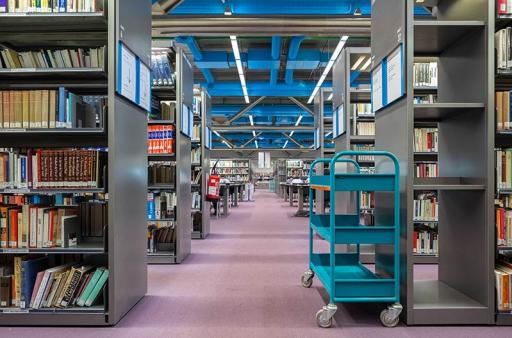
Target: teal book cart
(342,274)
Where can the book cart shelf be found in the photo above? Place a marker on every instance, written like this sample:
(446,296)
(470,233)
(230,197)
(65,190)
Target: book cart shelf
(122,135)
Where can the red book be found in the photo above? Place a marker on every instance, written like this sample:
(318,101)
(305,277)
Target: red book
(13,228)
(414,241)
(39,278)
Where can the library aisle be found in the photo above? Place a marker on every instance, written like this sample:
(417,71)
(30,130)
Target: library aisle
(244,282)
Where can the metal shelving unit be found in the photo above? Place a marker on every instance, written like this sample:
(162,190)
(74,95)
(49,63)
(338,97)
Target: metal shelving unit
(178,249)
(122,250)
(464,47)
(204,165)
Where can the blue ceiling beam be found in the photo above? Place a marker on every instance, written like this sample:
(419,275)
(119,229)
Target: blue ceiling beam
(276,55)
(293,51)
(273,7)
(263,110)
(191,43)
(296,89)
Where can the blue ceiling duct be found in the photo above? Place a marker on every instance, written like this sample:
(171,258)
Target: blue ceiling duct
(293,51)
(296,89)
(191,43)
(276,55)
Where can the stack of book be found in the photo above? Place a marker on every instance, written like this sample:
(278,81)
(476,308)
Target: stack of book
(53,58)
(425,239)
(161,205)
(426,207)
(161,172)
(425,74)
(426,169)
(364,147)
(366,128)
(50,6)
(503,278)
(503,51)
(33,284)
(426,140)
(503,111)
(163,71)
(51,169)
(160,139)
(160,235)
(50,109)
(504,169)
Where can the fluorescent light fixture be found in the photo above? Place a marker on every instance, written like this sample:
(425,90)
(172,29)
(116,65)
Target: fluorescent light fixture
(226,143)
(330,97)
(251,120)
(298,120)
(327,69)
(367,64)
(216,133)
(291,134)
(254,133)
(239,67)
(358,62)
(256,143)
(285,144)
(328,134)
(228,11)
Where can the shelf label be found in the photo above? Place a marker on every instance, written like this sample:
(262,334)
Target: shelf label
(15,311)
(16,191)
(14,130)
(15,250)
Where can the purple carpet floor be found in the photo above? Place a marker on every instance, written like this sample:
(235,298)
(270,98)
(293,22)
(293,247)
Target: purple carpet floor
(244,281)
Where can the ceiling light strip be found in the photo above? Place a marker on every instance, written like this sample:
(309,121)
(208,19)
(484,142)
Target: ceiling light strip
(239,67)
(327,69)
(285,144)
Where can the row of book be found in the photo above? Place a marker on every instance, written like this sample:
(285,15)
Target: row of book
(365,128)
(297,173)
(425,98)
(503,111)
(502,40)
(50,109)
(50,6)
(93,218)
(504,168)
(160,205)
(196,176)
(367,200)
(161,139)
(52,169)
(161,236)
(426,169)
(230,163)
(426,140)
(53,58)
(58,199)
(426,207)
(163,71)
(425,240)
(227,171)
(503,226)
(161,172)
(196,200)
(235,178)
(503,279)
(195,155)
(364,147)
(362,109)
(196,133)
(425,74)
(33,284)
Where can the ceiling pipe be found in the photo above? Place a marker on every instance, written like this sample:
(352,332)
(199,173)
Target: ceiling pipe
(293,51)
(194,49)
(228,128)
(276,55)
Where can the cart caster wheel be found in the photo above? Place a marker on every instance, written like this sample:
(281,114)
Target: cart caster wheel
(391,316)
(307,278)
(324,316)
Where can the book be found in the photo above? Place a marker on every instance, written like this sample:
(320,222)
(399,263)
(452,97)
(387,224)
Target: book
(97,288)
(29,270)
(90,286)
(5,290)
(426,140)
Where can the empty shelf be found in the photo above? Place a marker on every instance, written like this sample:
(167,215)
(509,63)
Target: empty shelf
(448,183)
(440,111)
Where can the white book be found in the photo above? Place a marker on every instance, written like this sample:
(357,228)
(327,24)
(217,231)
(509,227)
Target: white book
(33,228)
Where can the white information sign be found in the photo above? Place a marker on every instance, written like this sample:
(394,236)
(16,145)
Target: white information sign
(394,80)
(145,87)
(377,88)
(128,86)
